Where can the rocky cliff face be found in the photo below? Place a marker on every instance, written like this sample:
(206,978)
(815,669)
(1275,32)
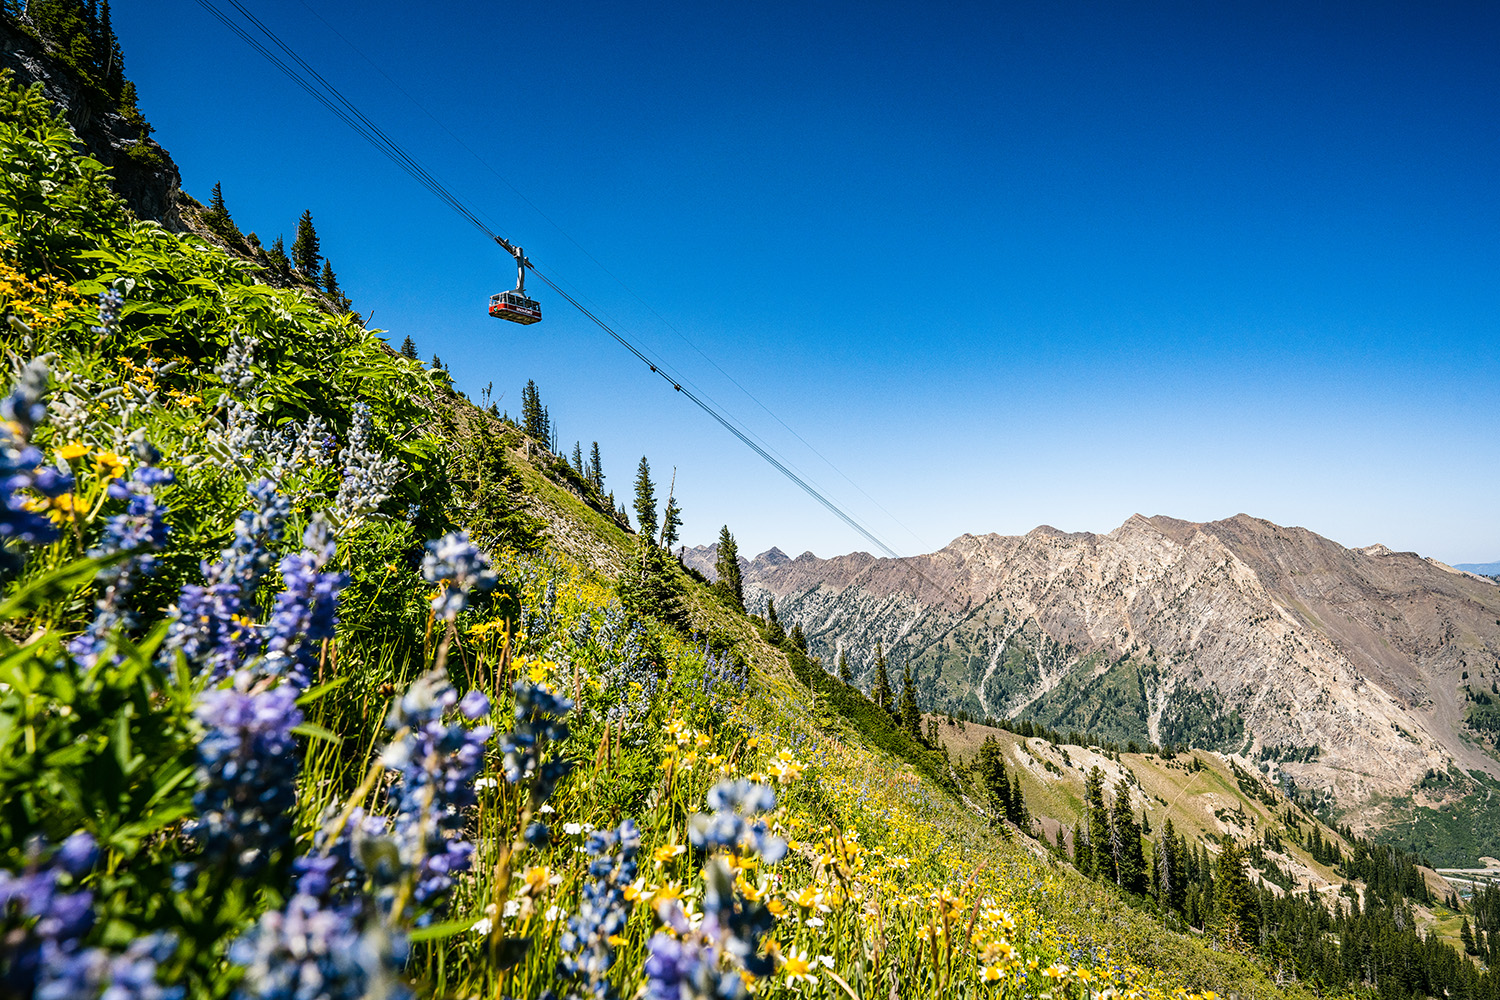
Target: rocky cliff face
(1341,670)
(144,174)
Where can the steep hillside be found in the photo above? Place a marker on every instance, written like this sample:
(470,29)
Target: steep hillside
(320,680)
(1361,676)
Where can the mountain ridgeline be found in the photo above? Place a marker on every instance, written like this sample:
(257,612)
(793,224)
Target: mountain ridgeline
(1361,680)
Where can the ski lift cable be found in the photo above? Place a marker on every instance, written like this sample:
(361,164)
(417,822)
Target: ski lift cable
(832,507)
(616,278)
(346,112)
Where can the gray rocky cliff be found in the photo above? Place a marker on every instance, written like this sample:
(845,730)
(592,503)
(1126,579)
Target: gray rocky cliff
(144,174)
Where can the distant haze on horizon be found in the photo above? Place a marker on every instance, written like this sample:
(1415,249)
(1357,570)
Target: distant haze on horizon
(1005,267)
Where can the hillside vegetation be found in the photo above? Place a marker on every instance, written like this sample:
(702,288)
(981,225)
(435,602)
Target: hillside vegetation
(315,685)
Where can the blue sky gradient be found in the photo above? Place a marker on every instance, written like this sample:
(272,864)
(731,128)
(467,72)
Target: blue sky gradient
(1003,266)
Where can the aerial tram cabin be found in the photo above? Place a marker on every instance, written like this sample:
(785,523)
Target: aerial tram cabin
(515,305)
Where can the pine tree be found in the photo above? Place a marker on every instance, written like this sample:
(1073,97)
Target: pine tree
(845,674)
(114,56)
(596,470)
(283,264)
(883,695)
(727,569)
(1083,855)
(645,500)
(217,218)
(1466,935)
(1101,835)
(409,349)
(330,281)
(1236,912)
(671,518)
(911,716)
(437,363)
(305,248)
(797,637)
(775,634)
(1130,859)
(533,416)
(578,457)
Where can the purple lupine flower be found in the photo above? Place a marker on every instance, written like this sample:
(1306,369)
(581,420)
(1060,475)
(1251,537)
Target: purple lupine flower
(44,912)
(309,951)
(684,970)
(732,825)
(142,530)
(369,477)
(436,762)
(208,626)
(306,610)
(247,773)
(110,304)
(538,721)
(89,973)
(587,954)
(457,566)
(21,468)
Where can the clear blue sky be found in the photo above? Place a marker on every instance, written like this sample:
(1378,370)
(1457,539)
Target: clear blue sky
(1003,266)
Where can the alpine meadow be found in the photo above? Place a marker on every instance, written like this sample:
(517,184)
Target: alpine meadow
(320,679)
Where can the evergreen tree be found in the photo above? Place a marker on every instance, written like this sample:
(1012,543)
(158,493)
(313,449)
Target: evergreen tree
(727,569)
(1130,859)
(775,634)
(1466,935)
(645,501)
(217,219)
(911,715)
(577,462)
(305,248)
(797,638)
(409,349)
(883,695)
(330,281)
(1083,856)
(1236,912)
(1101,836)
(437,363)
(671,520)
(533,416)
(114,57)
(283,266)
(845,674)
(596,471)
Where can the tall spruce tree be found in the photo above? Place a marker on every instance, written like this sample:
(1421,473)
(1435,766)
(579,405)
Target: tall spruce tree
(775,634)
(883,695)
(671,516)
(645,501)
(578,457)
(533,416)
(306,250)
(845,674)
(330,281)
(1236,911)
(911,715)
(596,470)
(282,264)
(727,569)
(1130,858)
(409,349)
(1101,835)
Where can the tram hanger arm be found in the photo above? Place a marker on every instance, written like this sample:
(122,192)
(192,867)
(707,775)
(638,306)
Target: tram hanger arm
(514,251)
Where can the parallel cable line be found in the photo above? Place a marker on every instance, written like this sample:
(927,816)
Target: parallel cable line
(345,110)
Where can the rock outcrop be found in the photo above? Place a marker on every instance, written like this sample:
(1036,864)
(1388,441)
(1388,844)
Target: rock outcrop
(144,174)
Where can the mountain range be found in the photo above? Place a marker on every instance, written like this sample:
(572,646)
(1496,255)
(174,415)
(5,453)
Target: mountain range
(1363,679)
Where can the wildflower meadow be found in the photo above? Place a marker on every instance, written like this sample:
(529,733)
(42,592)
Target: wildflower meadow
(300,698)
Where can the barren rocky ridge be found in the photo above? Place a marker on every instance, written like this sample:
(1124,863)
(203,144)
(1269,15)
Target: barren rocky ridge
(1341,669)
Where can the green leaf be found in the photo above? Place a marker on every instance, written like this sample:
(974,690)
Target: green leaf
(436,932)
(57,586)
(313,694)
(314,731)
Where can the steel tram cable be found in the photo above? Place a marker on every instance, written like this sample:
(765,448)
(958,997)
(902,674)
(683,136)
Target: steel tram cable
(345,111)
(616,278)
(725,423)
